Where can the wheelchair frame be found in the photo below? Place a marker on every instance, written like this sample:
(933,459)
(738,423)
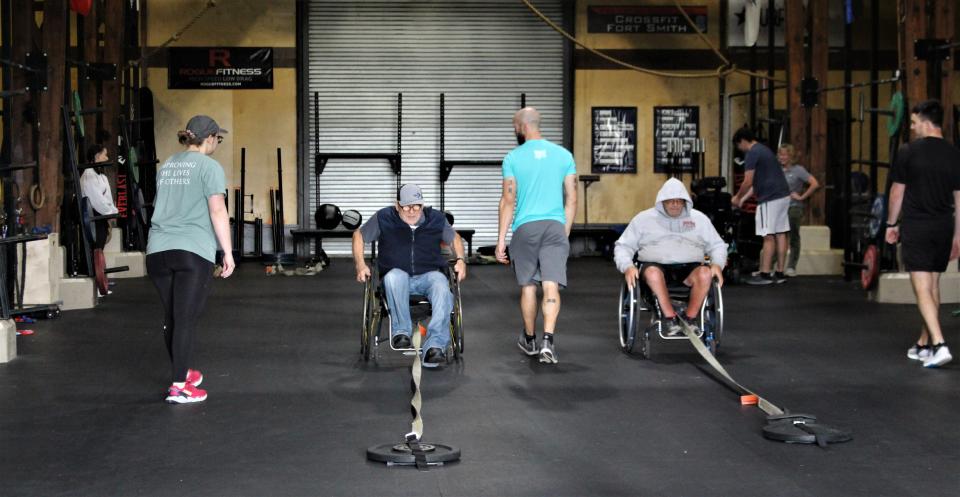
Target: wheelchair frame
(641,299)
(376,310)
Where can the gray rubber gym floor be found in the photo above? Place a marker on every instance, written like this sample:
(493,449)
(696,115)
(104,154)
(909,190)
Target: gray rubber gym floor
(291,408)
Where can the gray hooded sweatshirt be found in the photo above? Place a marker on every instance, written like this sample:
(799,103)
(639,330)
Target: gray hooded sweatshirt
(656,237)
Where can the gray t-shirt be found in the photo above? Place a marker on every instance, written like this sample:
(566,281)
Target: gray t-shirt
(181,216)
(768,180)
(797,179)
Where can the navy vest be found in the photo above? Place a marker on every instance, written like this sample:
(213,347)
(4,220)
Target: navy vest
(413,251)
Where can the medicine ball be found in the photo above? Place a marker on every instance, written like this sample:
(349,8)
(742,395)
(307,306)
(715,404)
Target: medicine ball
(351,219)
(449,217)
(328,216)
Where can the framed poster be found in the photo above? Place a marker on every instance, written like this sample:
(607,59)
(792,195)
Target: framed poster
(220,68)
(614,140)
(676,131)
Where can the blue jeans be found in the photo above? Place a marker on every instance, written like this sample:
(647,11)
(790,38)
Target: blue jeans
(398,286)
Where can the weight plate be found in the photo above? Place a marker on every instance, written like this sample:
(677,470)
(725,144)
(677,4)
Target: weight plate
(896,120)
(401,453)
(871,267)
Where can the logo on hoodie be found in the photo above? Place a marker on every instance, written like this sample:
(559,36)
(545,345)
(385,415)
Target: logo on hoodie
(688,225)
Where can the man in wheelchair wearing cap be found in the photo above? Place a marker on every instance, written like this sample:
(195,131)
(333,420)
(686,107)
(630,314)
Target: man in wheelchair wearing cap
(670,243)
(411,262)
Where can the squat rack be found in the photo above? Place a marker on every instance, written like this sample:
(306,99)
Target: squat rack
(447,165)
(321,158)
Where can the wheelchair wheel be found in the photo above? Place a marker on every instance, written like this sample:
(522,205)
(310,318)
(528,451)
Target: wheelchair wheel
(371,315)
(627,317)
(711,318)
(456,319)
(368,304)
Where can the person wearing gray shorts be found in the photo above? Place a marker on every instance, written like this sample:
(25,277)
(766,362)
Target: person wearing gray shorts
(538,202)
(538,251)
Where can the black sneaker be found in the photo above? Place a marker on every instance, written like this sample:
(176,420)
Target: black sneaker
(400,341)
(672,326)
(433,357)
(693,323)
(779,277)
(760,279)
(528,344)
(548,353)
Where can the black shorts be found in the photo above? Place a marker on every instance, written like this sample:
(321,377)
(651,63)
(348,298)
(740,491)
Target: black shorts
(926,244)
(674,274)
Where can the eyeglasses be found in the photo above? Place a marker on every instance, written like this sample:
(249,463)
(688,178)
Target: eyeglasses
(219,139)
(409,208)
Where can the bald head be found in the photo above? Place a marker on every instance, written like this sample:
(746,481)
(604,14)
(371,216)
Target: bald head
(526,123)
(527,116)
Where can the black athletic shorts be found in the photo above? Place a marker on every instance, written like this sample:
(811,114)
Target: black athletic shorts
(926,244)
(673,273)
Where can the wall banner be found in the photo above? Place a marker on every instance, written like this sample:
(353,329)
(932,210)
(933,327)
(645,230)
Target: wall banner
(644,19)
(220,68)
(614,140)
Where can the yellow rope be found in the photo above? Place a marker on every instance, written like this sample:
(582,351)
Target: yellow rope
(176,36)
(716,50)
(720,72)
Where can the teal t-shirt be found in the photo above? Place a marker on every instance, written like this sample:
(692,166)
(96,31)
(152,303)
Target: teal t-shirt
(539,168)
(181,216)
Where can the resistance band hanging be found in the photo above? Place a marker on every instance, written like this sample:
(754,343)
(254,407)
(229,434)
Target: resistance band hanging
(781,425)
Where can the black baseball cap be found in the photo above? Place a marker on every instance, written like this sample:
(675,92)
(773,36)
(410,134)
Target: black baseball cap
(204,126)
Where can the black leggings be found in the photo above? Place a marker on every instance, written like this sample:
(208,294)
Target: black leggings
(183,279)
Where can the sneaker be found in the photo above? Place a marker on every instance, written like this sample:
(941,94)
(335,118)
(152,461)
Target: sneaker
(918,352)
(185,395)
(400,341)
(547,352)
(433,357)
(693,323)
(528,344)
(779,277)
(939,356)
(760,279)
(672,326)
(194,377)
(790,272)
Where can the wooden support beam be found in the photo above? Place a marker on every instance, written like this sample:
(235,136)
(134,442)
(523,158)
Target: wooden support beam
(114,28)
(819,67)
(24,33)
(796,22)
(54,41)
(945,28)
(88,95)
(915,26)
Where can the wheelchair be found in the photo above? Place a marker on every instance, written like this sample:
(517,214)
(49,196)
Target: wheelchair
(641,319)
(376,311)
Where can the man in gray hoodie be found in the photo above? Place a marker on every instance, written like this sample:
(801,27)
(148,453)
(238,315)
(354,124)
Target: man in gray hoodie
(671,241)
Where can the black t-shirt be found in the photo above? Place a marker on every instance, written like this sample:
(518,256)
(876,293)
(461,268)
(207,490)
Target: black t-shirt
(930,169)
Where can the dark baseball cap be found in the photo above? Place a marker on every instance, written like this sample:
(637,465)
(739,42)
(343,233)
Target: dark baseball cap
(204,126)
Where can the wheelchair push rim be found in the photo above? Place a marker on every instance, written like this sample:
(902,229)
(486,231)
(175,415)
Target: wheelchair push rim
(626,311)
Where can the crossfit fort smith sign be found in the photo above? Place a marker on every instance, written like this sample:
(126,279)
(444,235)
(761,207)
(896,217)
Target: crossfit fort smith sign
(644,19)
(221,68)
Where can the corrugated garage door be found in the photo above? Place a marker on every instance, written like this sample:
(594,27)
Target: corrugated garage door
(482,55)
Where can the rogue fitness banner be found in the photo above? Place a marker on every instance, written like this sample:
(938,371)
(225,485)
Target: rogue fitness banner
(222,68)
(636,19)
